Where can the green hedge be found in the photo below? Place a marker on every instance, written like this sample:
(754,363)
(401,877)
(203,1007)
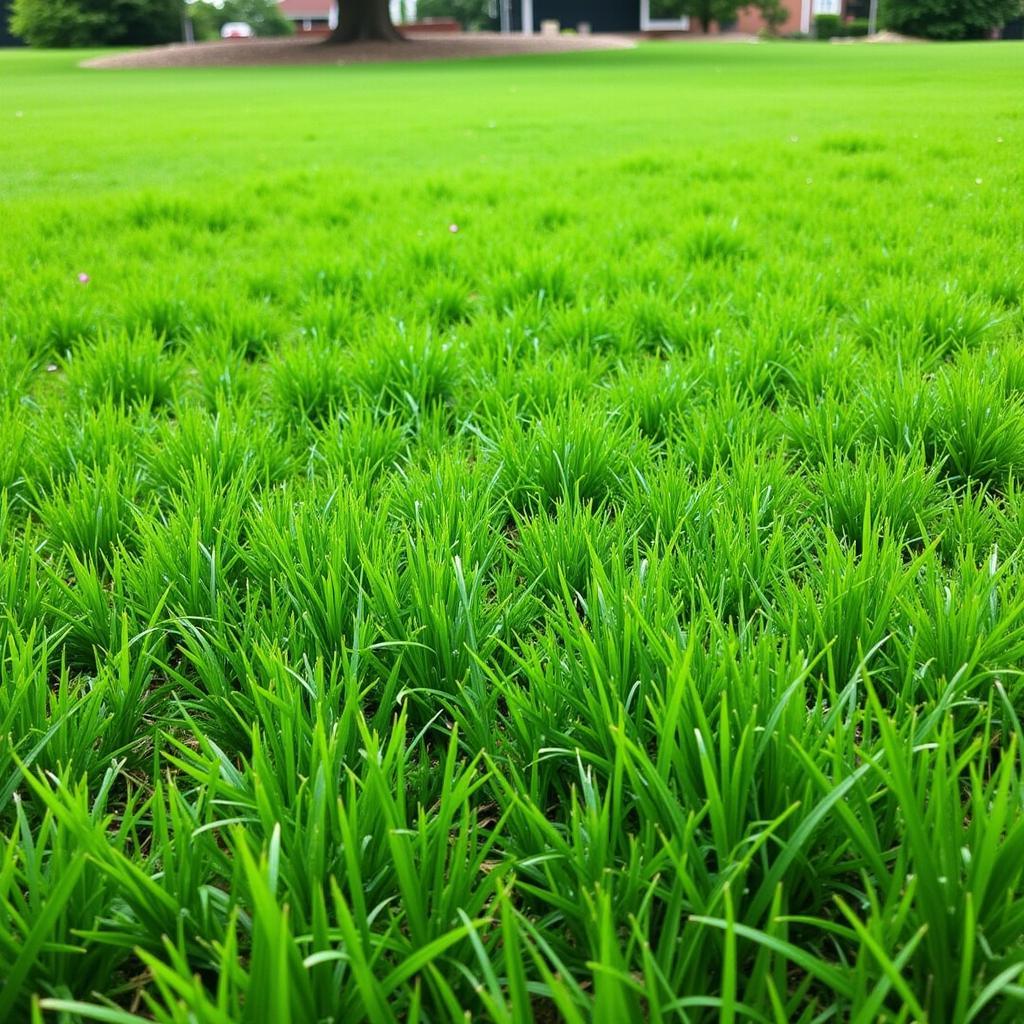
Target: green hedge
(828,25)
(831,26)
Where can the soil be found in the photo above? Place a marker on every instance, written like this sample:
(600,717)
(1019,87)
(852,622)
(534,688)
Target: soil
(892,37)
(296,50)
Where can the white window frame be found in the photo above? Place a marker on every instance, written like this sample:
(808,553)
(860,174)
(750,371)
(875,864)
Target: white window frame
(649,24)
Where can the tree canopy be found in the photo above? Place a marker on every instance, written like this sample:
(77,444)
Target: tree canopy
(949,19)
(264,16)
(64,23)
(708,11)
(472,15)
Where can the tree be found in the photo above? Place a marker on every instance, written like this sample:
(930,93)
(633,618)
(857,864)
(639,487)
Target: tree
(264,16)
(472,15)
(96,22)
(704,11)
(949,19)
(773,13)
(364,19)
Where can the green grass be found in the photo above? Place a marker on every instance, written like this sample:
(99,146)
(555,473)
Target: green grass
(607,611)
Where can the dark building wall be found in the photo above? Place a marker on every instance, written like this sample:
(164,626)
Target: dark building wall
(6,39)
(603,15)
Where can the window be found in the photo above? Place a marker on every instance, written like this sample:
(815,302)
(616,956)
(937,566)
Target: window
(667,14)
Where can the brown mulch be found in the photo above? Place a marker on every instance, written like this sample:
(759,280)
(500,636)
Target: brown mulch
(879,37)
(892,37)
(296,50)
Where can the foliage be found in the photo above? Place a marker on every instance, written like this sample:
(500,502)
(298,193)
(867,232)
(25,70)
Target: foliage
(264,16)
(56,23)
(610,610)
(704,12)
(773,14)
(827,25)
(472,15)
(949,19)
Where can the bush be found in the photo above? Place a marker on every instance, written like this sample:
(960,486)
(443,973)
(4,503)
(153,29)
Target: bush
(827,25)
(773,13)
(472,15)
(949,19)
(264,16)
(832,26)
(63,23)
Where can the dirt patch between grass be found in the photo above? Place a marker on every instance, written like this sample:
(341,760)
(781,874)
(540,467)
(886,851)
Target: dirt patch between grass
(295,50)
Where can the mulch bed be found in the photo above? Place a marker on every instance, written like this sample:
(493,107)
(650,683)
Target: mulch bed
(296,50)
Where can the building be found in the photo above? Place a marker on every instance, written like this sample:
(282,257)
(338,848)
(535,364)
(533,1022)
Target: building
(654,15)
(318,16)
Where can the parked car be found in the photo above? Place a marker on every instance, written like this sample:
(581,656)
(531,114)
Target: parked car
(236,30)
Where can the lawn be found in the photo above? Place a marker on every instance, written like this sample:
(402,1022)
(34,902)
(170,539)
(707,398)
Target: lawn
(517,540)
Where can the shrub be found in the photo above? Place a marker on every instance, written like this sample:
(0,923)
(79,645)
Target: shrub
(473,15)
(774,15)
(949,19)
(828,25)
(263,15)
(96,22)
(831,26)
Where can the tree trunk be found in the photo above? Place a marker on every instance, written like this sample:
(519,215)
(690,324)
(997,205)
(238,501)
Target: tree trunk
(705,24)
(364,19)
